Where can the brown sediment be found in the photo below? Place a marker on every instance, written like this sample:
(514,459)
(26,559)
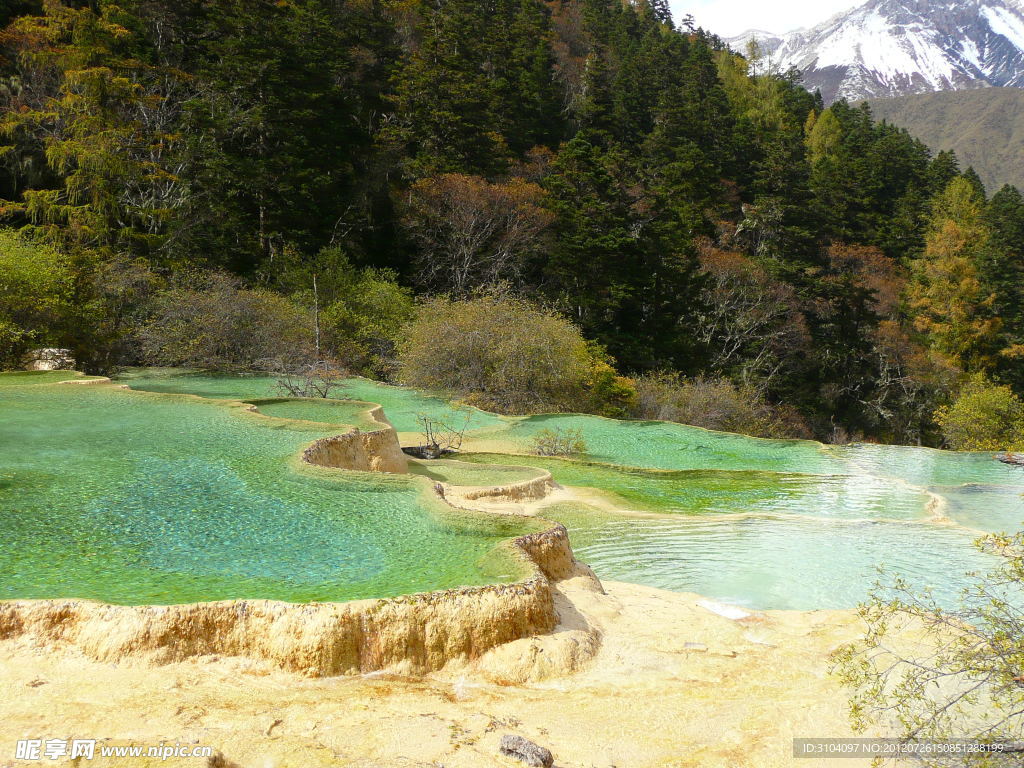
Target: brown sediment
(413,634)
(377,451)
(673,685)
(528,490)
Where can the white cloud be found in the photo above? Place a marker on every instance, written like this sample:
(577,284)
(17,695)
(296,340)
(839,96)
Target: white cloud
(731,17)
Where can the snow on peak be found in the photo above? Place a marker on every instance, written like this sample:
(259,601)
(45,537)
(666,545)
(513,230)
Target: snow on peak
(895,47)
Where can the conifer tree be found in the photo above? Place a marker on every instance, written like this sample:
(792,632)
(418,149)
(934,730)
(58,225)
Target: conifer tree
(1002,274)
(950,302)
(110,182)
(662,11)
(444,121)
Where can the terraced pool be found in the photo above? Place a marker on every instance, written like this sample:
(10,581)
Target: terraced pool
(129,497)
(766,523)
(132,498)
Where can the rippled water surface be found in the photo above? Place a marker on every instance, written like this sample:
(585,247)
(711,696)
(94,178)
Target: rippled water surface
(135,498)
(771,563)
(402,406)
(149,497)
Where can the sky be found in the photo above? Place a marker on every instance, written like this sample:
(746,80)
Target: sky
(732,17)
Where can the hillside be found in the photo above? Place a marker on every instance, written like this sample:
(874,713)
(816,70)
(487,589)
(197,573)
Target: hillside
(983,126)
(888,48)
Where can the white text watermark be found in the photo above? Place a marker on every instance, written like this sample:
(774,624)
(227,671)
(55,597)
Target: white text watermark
(88,749)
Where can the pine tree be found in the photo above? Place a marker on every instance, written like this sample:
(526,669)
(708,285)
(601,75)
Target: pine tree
(103,130)
(1002,274)
(662,11)
(592,271)
(444,101)
(943,169)
(949,301)
(595,110)
(274,136)
(979,186)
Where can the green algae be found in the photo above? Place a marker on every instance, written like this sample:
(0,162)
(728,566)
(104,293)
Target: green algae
(402,406)
(725,492)
(133,498)
(482,474)
(324,411)
(765,523)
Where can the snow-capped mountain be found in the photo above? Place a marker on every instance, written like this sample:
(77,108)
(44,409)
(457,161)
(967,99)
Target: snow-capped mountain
(898,47)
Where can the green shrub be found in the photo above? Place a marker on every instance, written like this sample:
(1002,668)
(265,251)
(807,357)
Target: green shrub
(217,324)
(507,355)
(559,442)
(715,404)
(984,417)
(36,289)
(362,312)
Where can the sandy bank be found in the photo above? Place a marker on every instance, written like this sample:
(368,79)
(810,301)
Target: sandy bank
(412,635)
(672,685)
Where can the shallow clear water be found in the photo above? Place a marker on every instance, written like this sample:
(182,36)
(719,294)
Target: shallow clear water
(765,523)
(134,498)
(402,406)
(338,412)
(483,474)
(661,445)
(768,563)
(730,492)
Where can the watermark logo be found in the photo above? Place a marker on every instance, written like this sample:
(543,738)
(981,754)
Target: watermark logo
(87,749)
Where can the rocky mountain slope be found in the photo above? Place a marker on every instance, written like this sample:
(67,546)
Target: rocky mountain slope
(985,127)
(887,48)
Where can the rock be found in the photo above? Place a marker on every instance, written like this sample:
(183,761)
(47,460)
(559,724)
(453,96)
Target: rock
(49,360)
(217,760)
(526,751)
(1015,459)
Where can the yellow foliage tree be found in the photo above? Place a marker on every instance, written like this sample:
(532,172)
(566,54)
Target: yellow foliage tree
(946,296)
(824,136)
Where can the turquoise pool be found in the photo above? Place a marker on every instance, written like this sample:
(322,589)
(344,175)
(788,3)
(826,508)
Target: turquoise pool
(133,497)
(136,498)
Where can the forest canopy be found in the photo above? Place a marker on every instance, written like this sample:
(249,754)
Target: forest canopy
(328,165)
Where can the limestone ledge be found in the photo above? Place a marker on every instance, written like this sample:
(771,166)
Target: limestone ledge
(377,451)
(413,634)
(528,490)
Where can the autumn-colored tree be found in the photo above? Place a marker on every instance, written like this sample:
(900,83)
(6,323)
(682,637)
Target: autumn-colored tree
(946,295)
(910,379)
(748,322)
(473,233)
(873,272)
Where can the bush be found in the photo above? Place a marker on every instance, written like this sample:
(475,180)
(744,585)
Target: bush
(507,355)
(36,288)
(322,378)
(984,417)
(925,671)
(559,442)
(217,324)
(609,394)
(715,404)
(362,311)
